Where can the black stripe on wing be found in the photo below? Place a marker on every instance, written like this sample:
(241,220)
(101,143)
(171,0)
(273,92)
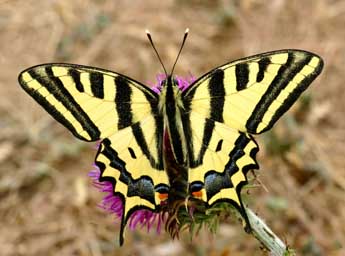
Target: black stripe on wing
(263,64)
(123,102)
(217,95)
(97,84)
(285,75)
(75,74)
(242,76)
(141,141)
(55,87)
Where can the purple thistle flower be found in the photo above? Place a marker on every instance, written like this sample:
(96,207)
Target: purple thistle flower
(183,82)
(112,203)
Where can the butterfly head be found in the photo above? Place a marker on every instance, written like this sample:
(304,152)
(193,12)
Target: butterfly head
(169,78)
(169,81)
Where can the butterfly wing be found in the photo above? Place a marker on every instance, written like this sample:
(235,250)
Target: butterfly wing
(232,101)
(220,157)
(132,160)
(96,104)
(92,103)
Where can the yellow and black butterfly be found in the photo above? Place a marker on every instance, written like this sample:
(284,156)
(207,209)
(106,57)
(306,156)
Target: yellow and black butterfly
(209,125)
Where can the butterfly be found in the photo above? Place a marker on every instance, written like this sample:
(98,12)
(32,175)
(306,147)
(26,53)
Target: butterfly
(209,125)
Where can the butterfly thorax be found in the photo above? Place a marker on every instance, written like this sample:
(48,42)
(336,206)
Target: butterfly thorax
(172,108)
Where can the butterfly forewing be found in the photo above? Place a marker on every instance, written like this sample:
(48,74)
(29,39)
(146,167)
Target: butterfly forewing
(251,94)
(92,103)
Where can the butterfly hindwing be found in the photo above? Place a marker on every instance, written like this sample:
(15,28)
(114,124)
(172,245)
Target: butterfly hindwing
(220,157)
(224,106)
(134,165)
(96,104)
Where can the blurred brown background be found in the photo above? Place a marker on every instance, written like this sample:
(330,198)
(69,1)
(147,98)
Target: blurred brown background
(47,204)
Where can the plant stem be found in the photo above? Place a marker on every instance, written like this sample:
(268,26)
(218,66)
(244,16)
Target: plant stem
(266,236)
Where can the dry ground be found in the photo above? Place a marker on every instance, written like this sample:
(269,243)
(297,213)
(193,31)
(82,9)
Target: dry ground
(47,204)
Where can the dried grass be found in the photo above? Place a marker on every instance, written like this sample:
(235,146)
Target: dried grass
(47,206)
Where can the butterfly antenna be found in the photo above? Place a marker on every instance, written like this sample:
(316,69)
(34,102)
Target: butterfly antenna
(154,48)
(178,55)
